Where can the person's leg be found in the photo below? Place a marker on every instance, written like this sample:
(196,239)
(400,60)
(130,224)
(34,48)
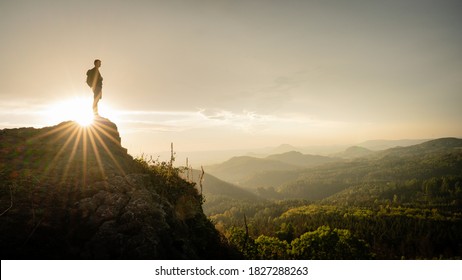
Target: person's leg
(95,105)
(96,97)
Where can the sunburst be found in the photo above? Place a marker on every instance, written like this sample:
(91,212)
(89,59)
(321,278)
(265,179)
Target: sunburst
(76,144)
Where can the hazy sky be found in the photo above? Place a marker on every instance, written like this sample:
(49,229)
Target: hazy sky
(217,74)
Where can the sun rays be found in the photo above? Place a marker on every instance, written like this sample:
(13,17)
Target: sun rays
(83,154)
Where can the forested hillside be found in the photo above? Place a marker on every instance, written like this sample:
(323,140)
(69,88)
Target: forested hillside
(404,202)
(219,195)
(271,171)
(238,169)
(442,157)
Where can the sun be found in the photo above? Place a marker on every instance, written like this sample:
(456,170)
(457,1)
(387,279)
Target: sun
(74,109)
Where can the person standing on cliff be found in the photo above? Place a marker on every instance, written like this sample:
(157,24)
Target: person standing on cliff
(95,81)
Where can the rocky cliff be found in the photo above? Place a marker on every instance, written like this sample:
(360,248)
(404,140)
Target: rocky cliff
(72,192)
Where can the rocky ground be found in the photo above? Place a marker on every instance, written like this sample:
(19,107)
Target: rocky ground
(72,192)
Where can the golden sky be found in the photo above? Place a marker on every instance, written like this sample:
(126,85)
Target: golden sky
(219,74)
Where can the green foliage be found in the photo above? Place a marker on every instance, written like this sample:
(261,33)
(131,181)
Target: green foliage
(399,203)
(167,179)
(392,232)
(272,248)
(324,243)
(162,169)
(329,244)
(239,239)
(204,240)
(286,233)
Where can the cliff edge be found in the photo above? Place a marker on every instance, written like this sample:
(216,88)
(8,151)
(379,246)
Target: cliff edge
(73,192)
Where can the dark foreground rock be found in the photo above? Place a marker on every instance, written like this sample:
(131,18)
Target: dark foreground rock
(69,192)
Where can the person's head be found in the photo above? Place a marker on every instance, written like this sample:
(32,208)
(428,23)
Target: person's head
(97,63)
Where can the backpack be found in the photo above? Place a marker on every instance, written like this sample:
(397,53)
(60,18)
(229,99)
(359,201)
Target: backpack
(90,78)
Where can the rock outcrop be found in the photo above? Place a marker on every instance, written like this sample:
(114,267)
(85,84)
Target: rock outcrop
(72,192)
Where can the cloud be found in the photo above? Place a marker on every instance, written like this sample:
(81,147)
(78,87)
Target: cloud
(24,113)
(208,118)
(254,122)
(247,121)
(186,120)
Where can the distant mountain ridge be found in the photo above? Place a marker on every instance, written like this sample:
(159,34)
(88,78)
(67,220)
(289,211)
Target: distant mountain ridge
(284,148)
(377,145)
(240,169)
(299,159)
(432,146)
(237,169)
(355,152)
(287,172)
(421,161)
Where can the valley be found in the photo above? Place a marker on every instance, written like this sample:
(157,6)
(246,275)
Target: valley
(401,202)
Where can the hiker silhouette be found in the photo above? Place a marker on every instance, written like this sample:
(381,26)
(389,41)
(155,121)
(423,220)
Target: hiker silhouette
(95,81)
